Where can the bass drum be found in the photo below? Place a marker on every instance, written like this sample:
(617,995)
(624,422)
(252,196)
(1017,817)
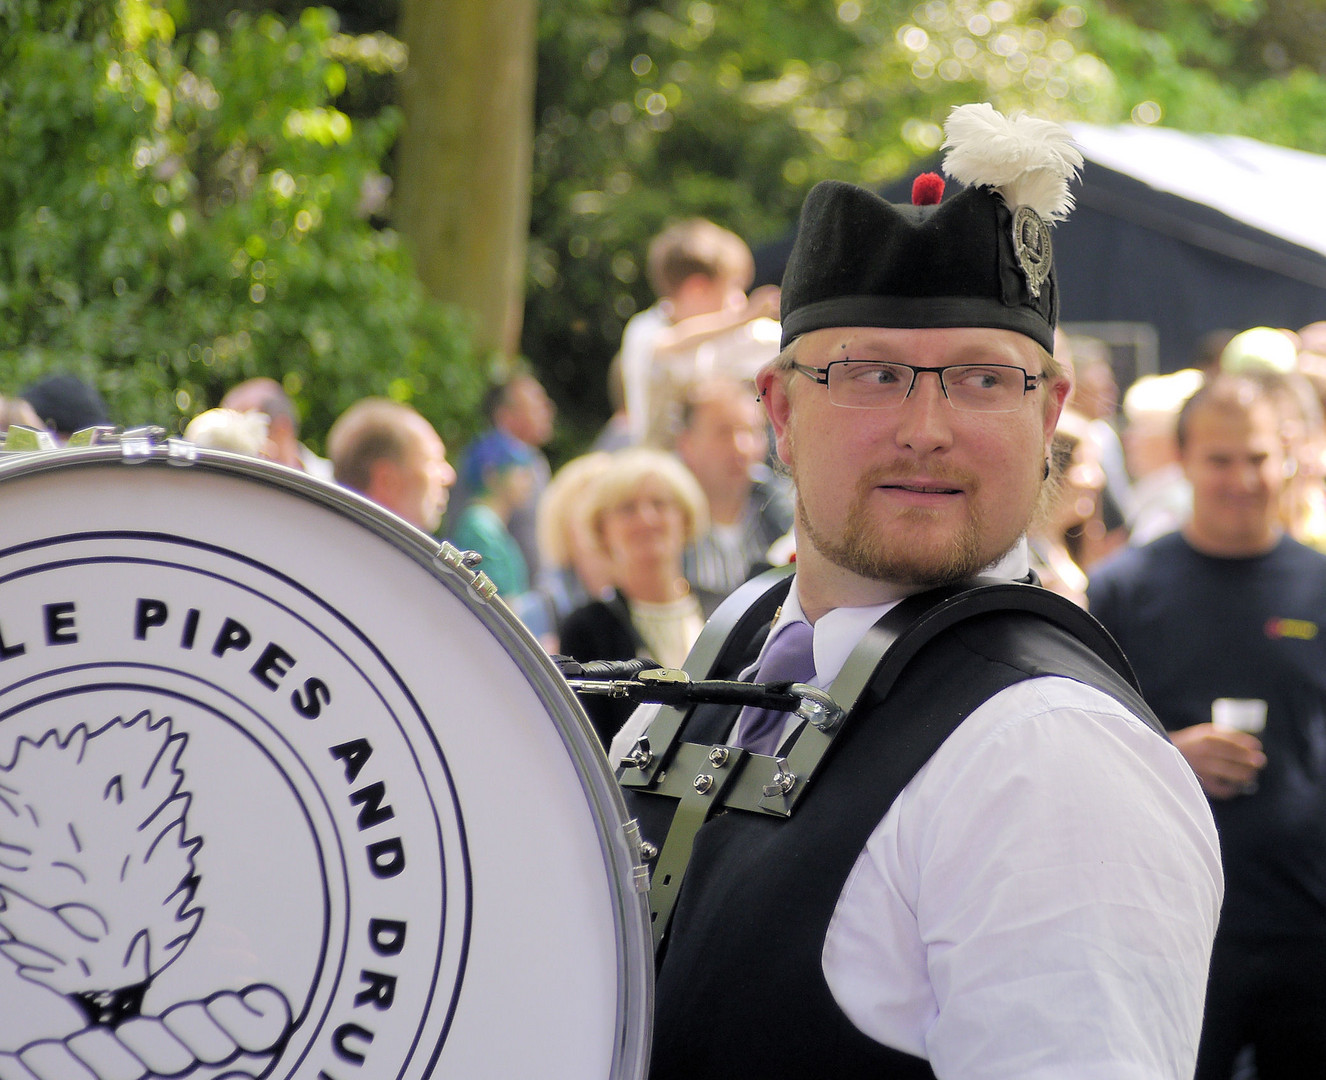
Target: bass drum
(283,795)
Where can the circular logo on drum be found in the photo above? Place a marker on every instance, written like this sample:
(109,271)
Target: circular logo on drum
(229,841)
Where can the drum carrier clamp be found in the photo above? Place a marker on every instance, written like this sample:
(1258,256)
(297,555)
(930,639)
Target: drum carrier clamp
(708,779)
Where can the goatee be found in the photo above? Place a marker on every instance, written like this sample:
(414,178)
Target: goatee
(863,549)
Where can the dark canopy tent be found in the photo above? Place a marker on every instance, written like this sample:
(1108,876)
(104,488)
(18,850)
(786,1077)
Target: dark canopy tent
(1176,237)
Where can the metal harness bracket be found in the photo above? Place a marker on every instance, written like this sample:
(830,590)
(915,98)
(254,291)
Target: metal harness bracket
(664,764)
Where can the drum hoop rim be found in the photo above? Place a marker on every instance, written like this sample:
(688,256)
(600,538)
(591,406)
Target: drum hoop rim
(635,959)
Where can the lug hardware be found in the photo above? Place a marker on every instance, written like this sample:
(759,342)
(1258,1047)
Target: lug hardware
(638,757)
(784,780)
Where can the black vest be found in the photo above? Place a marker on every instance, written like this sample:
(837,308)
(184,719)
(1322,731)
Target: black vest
(741,990)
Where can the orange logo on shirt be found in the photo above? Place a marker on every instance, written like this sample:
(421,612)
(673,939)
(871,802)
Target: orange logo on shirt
(1301,629)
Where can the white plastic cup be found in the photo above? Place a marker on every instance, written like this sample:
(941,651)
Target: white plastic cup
(1239,714)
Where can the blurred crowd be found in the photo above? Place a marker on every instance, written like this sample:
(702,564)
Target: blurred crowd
(1187,510)
(624,550)
(1117,463)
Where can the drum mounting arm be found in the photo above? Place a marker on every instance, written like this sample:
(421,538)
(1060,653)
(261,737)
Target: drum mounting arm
(643,682)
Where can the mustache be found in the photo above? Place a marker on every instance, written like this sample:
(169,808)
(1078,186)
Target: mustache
(934,476)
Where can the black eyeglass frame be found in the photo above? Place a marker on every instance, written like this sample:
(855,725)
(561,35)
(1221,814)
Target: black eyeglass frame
(821,376)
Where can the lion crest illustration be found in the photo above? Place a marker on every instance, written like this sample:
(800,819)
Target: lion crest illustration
(98,886)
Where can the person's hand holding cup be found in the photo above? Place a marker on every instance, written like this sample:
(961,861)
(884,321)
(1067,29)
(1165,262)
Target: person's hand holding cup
(1226,753)
(1246,716)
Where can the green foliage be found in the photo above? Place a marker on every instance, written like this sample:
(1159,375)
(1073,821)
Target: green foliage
(1238,67)
(184,186)
(648,112)
(179,214)
(655,110)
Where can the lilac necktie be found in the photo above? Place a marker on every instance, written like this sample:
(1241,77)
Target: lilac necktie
(788,659)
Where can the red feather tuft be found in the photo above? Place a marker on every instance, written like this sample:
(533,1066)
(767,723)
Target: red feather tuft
(927,189)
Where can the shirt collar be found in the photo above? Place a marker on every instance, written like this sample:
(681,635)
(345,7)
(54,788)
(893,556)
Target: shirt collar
(838,631)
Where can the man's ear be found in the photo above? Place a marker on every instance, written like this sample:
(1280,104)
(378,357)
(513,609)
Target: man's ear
(384,483)
(771,384)
(1058,394)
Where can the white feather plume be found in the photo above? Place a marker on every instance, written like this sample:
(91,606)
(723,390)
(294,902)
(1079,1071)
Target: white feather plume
(1028,161)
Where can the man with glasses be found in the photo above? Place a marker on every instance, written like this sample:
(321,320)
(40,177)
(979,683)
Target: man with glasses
(1039,899)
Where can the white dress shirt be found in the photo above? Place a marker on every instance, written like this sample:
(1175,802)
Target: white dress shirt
(637,348)
(1039,901)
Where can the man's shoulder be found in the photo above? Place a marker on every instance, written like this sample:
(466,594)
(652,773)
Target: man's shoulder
(968,661)
(1158,560)
(599,630)
(596,610)
(1136,561)
(475,520)
(645,324)
(1037,645)
(1301,556)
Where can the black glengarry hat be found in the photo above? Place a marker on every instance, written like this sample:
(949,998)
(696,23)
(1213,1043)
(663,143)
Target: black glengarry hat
(980,258)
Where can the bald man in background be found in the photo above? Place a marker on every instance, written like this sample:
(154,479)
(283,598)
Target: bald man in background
(390,454)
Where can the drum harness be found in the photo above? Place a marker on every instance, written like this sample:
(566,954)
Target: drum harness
(705,780)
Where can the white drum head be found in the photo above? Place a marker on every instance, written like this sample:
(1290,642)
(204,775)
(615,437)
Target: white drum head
(279,797)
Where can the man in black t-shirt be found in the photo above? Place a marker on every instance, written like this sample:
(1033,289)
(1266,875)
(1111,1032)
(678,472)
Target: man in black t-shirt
(1222,622)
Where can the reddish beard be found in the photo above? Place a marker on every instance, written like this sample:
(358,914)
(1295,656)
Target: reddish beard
(865,549)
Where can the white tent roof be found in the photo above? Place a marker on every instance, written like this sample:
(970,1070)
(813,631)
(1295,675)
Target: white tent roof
(1272,188)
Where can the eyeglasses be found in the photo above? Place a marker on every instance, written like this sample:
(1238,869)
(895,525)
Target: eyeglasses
(864,384)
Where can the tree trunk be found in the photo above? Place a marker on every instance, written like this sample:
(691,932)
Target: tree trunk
(463,170)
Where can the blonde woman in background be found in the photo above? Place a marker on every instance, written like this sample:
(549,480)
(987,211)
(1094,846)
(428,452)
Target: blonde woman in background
(643,510)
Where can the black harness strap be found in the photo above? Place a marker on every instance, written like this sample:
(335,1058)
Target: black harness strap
(704,779)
